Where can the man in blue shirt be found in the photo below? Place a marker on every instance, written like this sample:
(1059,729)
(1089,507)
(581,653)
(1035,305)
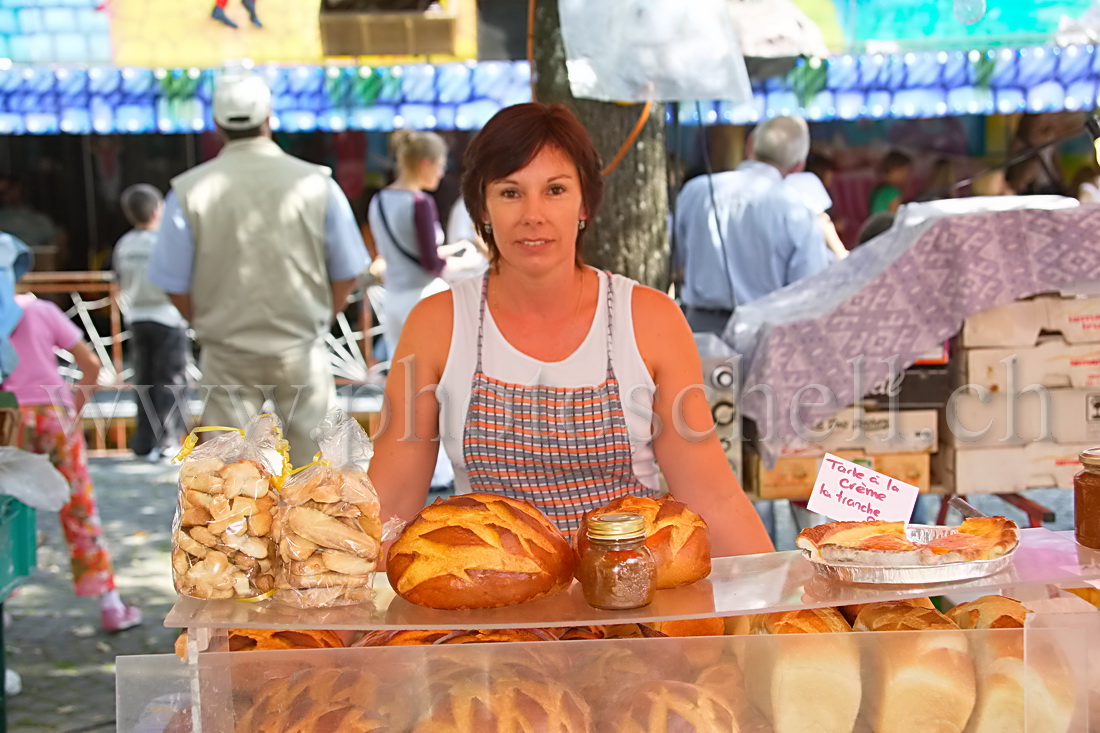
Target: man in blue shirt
(259,250)
(742,234)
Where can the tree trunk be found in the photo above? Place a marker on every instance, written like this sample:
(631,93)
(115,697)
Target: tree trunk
(629,234)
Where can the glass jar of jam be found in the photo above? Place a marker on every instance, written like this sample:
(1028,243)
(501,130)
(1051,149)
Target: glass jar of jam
(1086,500)
(617,571)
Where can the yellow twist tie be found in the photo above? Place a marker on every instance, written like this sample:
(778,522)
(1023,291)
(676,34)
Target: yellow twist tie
(257,599)
(317,461)
(193,439)
(282,446)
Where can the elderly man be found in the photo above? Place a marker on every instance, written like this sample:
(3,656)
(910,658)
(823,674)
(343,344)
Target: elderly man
(742,233)
(258,250)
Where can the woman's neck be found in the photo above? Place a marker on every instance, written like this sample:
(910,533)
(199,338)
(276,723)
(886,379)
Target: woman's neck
(549,295)
(406,183)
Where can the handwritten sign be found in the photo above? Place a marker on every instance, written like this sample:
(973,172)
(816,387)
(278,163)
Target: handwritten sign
(848,492)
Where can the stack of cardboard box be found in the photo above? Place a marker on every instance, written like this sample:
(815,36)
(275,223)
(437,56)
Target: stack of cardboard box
(1027,397)
(896,443)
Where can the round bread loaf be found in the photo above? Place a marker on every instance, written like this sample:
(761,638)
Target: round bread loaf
(677,537)
(328,699)
(510,704)
(479,551)
(671,706)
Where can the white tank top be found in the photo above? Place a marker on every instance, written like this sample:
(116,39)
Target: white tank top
(585,367)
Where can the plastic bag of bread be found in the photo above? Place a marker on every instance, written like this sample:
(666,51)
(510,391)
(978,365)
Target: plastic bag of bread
(221,537)
(677,537)
(327,525)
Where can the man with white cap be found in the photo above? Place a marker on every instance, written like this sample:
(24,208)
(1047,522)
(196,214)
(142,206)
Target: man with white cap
(259,250)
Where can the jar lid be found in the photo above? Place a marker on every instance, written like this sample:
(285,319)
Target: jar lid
(1090,458)
(616,526)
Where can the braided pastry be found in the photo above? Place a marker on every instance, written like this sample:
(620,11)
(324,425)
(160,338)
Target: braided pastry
(479,551)
(671,706)
(506,705)
(677,537)
(315,700)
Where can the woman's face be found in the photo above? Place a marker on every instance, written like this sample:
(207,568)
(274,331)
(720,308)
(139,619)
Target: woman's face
(534,211)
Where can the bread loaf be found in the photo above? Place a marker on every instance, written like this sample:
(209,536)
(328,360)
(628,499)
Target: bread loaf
(576,633)
(915,682)
(599,674)
(810,678)
(506,705)
(268,639)
(726,680)
(316,700)
(1006,675)
(677,537)
(492,636)
(851,612)
(406,637)
(698,653)
(479,551)
(657,707)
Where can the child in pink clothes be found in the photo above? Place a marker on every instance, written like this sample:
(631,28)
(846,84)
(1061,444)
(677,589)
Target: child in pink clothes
(51,426)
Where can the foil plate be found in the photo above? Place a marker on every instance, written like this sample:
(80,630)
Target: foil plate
(914,574)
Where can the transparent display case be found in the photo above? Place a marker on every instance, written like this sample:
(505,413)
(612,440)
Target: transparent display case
(1040,678)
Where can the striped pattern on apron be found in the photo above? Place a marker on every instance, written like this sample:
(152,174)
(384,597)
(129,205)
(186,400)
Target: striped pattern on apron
(564,449)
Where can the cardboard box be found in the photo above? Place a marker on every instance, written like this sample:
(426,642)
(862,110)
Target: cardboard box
(917,388)
(1052,363)
(793,476)
(1050,415)
(1022,322)
(1008,470)
(872,432)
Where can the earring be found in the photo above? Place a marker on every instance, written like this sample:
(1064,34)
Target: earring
(582,224)
(489,228)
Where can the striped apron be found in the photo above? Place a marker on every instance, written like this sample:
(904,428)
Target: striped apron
(564,449)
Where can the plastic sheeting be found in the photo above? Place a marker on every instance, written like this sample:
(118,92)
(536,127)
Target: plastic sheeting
(32,479)
(823,343)
(653,50)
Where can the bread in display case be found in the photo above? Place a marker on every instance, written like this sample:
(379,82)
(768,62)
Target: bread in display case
(637,685)
(641,684)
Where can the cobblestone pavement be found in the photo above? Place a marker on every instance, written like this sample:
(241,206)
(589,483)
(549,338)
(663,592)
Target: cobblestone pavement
(68,665)
(54,642)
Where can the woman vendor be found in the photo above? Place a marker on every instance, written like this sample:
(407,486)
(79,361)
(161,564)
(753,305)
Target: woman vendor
(547,379)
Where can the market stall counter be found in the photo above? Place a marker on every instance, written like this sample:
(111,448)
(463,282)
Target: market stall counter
(597,670)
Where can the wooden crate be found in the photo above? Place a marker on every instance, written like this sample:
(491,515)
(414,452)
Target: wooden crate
(389,34)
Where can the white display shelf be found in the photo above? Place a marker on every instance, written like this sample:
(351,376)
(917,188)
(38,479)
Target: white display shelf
(737,585)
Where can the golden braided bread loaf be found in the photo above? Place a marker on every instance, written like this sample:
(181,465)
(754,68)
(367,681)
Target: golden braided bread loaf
(507,705)
(324,700)
(479,551)
(657,707)
(677,537)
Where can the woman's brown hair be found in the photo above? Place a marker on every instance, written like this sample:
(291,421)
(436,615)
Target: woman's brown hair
(510,140)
